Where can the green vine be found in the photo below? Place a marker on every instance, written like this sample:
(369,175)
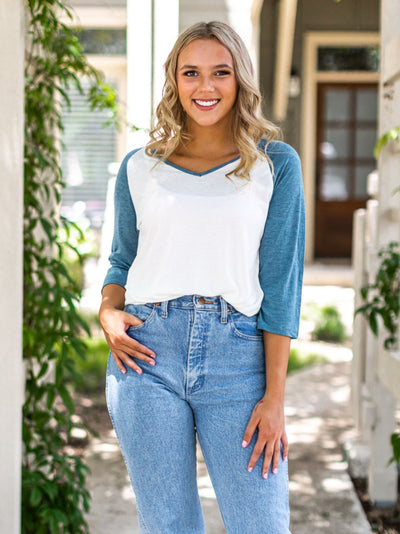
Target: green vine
(388,137)
(391,136)
(382,298)
(54,497)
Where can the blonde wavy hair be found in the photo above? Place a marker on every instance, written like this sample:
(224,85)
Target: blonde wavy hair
(248,124)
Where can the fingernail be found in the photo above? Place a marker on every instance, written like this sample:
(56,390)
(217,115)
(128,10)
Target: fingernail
(285,458)
(265,475)
(123,371)
(249,469)
(275,470)
(153,355)
(139,371)
(244,443)
(152,362)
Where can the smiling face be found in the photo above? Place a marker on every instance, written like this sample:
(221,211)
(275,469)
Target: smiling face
(206,81)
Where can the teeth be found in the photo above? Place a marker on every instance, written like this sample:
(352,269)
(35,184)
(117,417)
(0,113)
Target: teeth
(206,103)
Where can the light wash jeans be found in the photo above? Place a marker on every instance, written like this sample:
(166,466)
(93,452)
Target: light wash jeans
(209,374)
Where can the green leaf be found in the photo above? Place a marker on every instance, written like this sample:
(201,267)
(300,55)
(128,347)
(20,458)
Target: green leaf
(35,496)
(373,323)
(43,370)
(66,397)
(395,442)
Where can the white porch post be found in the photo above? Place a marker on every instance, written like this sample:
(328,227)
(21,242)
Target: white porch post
(139,69)
(386,370)
(152,30)
(11,212)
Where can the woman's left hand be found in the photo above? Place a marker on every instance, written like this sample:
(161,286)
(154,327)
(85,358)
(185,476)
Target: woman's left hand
(268,418)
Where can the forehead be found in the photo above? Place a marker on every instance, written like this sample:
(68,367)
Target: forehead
(205,52)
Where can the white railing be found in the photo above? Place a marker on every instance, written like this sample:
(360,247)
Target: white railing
(376,371)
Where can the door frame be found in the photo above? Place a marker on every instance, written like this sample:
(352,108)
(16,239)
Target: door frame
(308,128)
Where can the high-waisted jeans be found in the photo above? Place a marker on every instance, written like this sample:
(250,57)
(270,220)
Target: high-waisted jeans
(209,375)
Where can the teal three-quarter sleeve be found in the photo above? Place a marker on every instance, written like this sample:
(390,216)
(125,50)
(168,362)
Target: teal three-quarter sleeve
(125,237)
(282,245)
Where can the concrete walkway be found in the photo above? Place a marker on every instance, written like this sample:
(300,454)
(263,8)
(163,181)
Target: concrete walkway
(318,421)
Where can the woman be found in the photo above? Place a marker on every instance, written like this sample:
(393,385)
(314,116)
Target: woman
(203,296)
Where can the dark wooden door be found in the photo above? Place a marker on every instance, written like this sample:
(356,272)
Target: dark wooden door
(346,136)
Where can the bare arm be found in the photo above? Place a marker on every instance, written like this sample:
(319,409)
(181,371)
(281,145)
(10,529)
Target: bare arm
(115,322)
(268,414)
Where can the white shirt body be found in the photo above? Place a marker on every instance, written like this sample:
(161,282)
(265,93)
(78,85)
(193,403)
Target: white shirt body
(199,233)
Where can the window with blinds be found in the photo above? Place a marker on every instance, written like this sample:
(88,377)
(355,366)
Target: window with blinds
(87,149)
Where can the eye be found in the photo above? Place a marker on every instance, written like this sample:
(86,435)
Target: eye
(223,73)
(190,73)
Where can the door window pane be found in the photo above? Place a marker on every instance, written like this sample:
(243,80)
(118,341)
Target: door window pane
(367,105)
(365,142)
(361,176)
(336,143)
(103,40)
(333,58)
(337,105)
(335,181)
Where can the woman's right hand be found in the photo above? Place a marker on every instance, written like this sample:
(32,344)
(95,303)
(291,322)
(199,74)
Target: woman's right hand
(115,323)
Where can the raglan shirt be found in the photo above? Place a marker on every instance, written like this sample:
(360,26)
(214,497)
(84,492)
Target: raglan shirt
(177,232)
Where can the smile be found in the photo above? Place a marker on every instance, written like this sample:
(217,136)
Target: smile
(206,103)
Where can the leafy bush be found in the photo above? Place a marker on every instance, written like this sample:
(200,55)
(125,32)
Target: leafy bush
(89,372)
(329,326)
(297,360)
(382,298)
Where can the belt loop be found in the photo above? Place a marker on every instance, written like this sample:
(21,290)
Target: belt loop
(164,308)
(224,310)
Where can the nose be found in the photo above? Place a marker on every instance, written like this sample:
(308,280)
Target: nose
(206,84)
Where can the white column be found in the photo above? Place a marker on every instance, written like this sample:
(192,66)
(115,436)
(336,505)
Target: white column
(139,69)
(11,213)
(152,30)
(166,29)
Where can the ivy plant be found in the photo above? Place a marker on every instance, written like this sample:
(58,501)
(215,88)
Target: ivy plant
(390,136)
(54,496)
(382,298)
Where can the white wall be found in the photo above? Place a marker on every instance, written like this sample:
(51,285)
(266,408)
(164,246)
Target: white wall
(11,209)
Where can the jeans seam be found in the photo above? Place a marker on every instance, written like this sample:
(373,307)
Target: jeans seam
(143,522)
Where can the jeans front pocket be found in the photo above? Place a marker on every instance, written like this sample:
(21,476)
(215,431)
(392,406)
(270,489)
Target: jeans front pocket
(245,327)
(144,312)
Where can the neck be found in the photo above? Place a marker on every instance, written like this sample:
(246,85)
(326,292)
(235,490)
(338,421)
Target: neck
(216,139)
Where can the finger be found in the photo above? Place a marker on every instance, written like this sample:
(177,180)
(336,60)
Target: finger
(122,360)
(143,357)
(258,448)
(128,359)
(250,429)
(276,455)
(285,447)
(132,348)
(268,454)
(119,363)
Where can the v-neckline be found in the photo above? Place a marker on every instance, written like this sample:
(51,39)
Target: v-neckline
(200,173)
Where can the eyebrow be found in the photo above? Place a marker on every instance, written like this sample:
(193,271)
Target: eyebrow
(222,66)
